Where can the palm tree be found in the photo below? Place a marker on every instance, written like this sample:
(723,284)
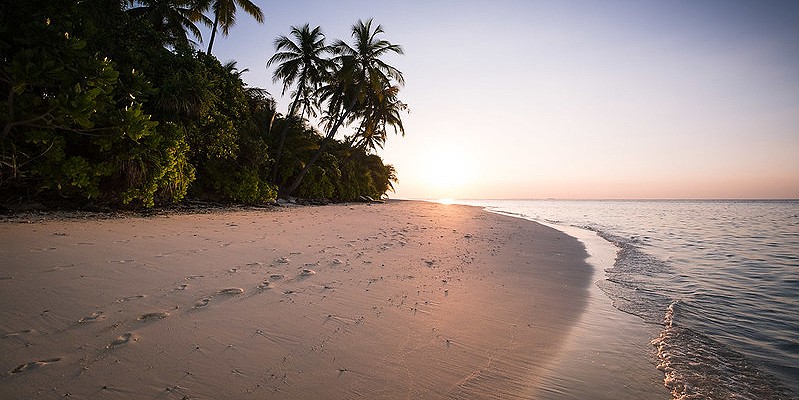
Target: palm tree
(359,75)
(225,15)
(380,112)
(172,18)
(302,62)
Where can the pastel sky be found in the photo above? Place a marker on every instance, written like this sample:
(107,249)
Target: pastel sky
(575,99)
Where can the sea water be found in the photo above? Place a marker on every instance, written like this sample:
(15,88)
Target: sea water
(719,280)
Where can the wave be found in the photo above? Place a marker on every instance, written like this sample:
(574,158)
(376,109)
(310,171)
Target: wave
(698,367)
(694,365)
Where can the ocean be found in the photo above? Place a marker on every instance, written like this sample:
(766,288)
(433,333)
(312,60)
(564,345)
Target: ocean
(718,280)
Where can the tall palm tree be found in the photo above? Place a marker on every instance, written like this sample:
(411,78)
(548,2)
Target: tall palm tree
(302,61)
(172,18)
(360,73)
(224,12)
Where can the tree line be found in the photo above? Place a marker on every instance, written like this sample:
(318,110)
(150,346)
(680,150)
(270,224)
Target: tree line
(113,102)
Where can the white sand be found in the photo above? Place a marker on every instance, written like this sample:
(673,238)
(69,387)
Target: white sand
(401,300)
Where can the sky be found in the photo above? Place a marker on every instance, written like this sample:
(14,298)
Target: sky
(573,99)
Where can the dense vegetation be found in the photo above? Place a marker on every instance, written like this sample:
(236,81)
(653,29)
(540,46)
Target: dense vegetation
(112,102)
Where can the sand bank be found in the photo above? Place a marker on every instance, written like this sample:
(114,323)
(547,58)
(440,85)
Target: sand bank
(401,300)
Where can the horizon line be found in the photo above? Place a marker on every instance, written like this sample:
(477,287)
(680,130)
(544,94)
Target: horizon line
(602,199)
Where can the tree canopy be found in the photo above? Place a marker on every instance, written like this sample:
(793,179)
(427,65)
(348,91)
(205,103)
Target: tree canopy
(113,103)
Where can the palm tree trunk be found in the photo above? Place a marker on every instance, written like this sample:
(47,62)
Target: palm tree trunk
(285,192)
(282,142)
(213,33)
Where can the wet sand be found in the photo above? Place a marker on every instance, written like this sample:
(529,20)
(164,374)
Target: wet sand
(398,300)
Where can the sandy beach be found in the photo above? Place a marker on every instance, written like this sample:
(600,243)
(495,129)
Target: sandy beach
(397,300)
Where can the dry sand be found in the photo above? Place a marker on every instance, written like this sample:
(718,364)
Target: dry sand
(399,300)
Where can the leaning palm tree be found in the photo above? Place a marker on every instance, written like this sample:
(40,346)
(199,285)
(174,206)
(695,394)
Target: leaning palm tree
(224,12)
(303,62)
(380,112)
(359,74)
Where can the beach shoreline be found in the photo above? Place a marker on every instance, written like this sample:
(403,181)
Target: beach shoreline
(403,299)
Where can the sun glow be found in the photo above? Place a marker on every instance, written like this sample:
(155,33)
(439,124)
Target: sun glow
(448,173)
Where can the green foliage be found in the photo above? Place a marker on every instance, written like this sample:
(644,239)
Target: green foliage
(342,173)
(243,185)
(108,101)
(74,120)
(158,170)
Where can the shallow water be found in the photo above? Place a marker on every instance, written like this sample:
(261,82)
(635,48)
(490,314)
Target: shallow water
(719,280)
(607,354)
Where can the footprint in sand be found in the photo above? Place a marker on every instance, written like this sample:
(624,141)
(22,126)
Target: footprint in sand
(202,303)
(275,276)
(307,272)
(16,333)
(32,365)
(94,317)
(43,249)
(264,285)
(153,316)
(129,298)
(181,287)
(121,340)
(192,277)
(282,260)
